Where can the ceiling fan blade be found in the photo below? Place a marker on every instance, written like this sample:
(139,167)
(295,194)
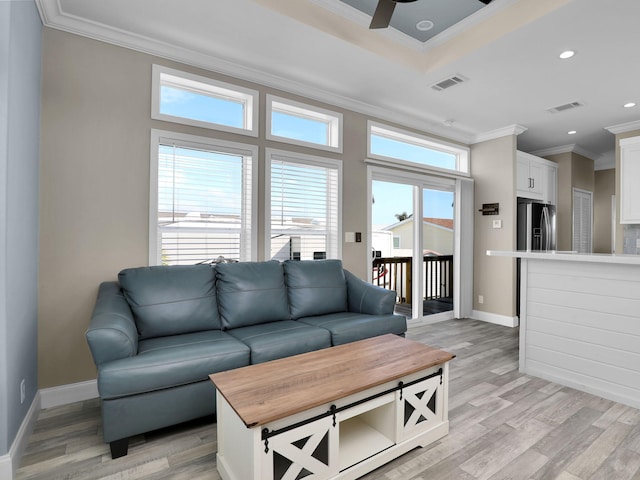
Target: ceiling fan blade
(383,13)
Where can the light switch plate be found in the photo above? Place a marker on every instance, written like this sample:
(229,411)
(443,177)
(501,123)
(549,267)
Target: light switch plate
(497,224)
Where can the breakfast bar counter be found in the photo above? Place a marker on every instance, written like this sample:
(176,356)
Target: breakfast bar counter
(580,321)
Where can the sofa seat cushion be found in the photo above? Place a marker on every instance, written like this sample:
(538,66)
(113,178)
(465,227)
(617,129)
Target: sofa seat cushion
(250,293)
(315,287)
(170,300)
(274,340)
(166,362)
(350,327)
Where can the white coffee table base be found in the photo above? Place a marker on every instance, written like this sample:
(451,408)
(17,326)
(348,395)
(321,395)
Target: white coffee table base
(343,440)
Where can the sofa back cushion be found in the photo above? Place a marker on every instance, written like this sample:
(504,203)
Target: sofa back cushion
(250,293)
(170,300)
(315,287)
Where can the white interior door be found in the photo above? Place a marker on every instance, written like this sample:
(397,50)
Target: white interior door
(582,221)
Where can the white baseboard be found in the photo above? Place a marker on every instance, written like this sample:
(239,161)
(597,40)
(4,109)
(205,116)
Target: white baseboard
(45,398)
(64,394)
(503,320)
(6,467)
(9,463)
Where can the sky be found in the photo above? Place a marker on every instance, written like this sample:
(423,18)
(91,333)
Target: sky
(395,198)
(390,199)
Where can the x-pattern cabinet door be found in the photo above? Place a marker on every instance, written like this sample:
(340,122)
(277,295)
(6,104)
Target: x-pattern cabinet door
(309,451)
(421,407)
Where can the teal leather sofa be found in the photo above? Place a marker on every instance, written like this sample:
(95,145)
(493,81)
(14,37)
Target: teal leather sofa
(158,332)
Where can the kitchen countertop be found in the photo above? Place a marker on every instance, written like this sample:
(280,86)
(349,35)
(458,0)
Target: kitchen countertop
(569,256)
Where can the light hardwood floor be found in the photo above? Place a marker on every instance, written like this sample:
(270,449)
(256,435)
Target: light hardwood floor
(504,425)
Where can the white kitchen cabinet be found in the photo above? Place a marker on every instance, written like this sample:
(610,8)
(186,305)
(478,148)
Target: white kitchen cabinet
(550,186)
(629,175)
(536,178)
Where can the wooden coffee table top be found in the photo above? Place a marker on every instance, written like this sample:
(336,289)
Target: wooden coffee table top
(269,391)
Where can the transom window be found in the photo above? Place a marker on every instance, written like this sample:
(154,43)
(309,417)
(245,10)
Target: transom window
(402,147)
(302,124)
(201,200)
(303,207)
(190,99)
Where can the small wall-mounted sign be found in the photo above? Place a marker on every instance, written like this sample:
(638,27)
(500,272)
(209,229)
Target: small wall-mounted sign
(490,209)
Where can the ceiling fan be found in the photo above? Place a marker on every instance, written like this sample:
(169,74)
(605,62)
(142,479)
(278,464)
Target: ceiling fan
(385,8)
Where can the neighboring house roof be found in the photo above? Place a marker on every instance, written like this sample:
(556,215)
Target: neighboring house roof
(440,222)
(443,222)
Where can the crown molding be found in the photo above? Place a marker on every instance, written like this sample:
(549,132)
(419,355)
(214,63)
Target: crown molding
(624,127)
(499,133)
(53,17)
(554,150)
(600,162)
(569,148)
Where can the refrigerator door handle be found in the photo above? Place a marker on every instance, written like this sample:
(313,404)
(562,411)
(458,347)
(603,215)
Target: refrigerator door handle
(547,228)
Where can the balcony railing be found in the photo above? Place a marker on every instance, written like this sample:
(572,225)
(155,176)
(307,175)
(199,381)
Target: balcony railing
(394,273)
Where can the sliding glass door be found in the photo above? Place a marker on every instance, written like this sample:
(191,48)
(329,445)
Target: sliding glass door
(392,252)
(412,241)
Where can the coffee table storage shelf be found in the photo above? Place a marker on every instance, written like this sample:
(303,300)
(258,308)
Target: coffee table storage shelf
(341,439)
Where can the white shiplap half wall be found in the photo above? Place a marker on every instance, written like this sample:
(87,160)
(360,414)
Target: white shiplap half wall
(582,327)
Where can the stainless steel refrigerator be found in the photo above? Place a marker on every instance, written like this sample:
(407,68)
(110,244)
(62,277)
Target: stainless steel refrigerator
(536,232)
(536,225)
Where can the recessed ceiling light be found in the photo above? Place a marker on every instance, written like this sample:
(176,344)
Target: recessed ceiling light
(629,105)
(572,132)
(567,54)
(424,25)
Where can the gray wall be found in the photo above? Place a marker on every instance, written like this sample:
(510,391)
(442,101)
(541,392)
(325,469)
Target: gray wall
(605,187)
(94,193)
(493,169)
(20,48)
(574,171)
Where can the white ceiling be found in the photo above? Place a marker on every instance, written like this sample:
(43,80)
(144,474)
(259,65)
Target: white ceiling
(323,49)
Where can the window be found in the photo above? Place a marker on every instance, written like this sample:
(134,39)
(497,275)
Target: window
(194,100)
(303,207)
(395,146)
(301,124)
(201,200)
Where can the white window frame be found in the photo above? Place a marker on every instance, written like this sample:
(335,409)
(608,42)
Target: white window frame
(302,159)
(333,120)
(159,137)
(205,86)
(462,154)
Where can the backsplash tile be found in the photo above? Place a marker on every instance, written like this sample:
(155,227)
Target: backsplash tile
(631,237)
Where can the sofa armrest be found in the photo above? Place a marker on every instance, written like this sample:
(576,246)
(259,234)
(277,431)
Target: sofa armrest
(112,332)
(362,297)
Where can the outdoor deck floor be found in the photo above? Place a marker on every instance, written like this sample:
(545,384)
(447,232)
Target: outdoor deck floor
(429,307)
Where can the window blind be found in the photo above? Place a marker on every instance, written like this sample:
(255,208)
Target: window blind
(204,205)
(304,210)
